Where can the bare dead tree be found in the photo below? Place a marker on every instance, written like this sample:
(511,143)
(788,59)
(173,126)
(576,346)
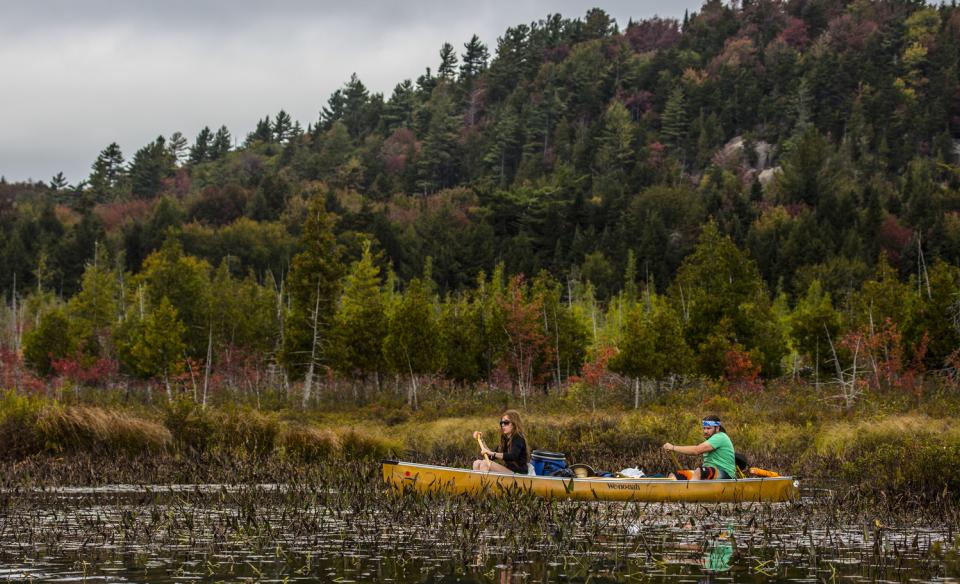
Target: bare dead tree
(206,371)
(846,379)
(308,382)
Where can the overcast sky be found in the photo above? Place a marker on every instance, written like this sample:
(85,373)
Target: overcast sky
(79,74)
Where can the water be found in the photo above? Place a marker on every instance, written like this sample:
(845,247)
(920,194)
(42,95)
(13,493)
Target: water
(355,531)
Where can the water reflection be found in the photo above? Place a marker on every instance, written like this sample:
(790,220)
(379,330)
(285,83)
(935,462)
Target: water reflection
(720,552)
(313,533)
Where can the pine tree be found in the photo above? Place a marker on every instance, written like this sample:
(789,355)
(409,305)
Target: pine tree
(412,344)
(630,277)
(200,151)
(474,61)
(221,144)
(398,110)
(439,163)
(150,166)
(503,153)
(652,346)
(723,301)
(177,146)
(360,322)
(313,285)
(814,324)
(448,62)
(333,111)
(184,281)
(673,127)
(356,100)
(58,181)
(282,126)
(95,307)
(50,340)
(615,152)
(461,338)
(261,134)
(107,181)
(156,348)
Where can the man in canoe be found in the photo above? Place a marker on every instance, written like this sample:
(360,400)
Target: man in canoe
(719,461)
(512,454)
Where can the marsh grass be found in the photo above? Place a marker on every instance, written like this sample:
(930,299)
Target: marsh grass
(879,452)
(335,520)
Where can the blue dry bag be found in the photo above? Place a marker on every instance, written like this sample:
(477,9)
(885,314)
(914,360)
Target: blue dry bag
(546,463)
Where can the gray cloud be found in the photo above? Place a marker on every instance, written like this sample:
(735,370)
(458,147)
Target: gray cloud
(79,75)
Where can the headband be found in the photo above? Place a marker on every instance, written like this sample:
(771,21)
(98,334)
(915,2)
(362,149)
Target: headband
(711,424)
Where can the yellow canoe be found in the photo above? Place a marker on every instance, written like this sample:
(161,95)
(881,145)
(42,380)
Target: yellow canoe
(425,477)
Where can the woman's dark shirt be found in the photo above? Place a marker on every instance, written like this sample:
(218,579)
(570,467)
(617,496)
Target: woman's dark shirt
(515,457)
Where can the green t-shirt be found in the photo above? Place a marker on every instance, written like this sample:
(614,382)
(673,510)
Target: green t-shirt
(722,454)
(718,558)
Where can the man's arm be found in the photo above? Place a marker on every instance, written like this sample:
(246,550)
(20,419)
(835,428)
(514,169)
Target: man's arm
(701,448)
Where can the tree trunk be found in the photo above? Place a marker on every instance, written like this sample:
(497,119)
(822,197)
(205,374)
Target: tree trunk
(206,372)
(308,383)
(636,393)
(166,384)
(412,394)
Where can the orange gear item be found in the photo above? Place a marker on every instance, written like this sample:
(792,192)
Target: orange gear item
(763,473)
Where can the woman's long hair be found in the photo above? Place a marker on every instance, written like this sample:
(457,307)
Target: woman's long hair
(514,417)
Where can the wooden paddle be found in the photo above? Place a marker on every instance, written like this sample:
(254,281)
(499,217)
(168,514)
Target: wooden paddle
(676,463)
(483,447)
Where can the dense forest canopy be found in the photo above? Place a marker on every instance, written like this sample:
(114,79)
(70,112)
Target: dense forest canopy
(765,185)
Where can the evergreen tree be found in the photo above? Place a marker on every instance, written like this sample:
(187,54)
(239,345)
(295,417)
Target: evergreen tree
(200,151)
(221,144)
(108,179)
(356,108)
(155,346)
(150,166)
(439,163)
(615,153)
(461,339)
(58,182)
(653,345)
(282,127)
(412,345)
(360,322)
(673,125)
(398,110)
(184,282)
(448,62)
(806,173)
(814,324)
(314,286)
(94,309)
(474,60)
(724,304)
(262,133)
(50,340)
(177,146)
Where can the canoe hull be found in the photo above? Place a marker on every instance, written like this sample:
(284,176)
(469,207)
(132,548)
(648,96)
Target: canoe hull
(427,478)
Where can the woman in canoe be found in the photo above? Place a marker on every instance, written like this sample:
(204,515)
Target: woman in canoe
(719,461)
(511,455)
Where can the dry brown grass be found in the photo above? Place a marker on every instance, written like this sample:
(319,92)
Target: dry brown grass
(91,428)
(307,443)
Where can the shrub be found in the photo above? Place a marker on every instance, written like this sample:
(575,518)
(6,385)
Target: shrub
(18,418)
(358,445)
(247,430)
(192,428)
(307,443)
(91,429)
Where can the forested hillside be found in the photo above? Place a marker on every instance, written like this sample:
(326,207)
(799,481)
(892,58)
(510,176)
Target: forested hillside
(766,188)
